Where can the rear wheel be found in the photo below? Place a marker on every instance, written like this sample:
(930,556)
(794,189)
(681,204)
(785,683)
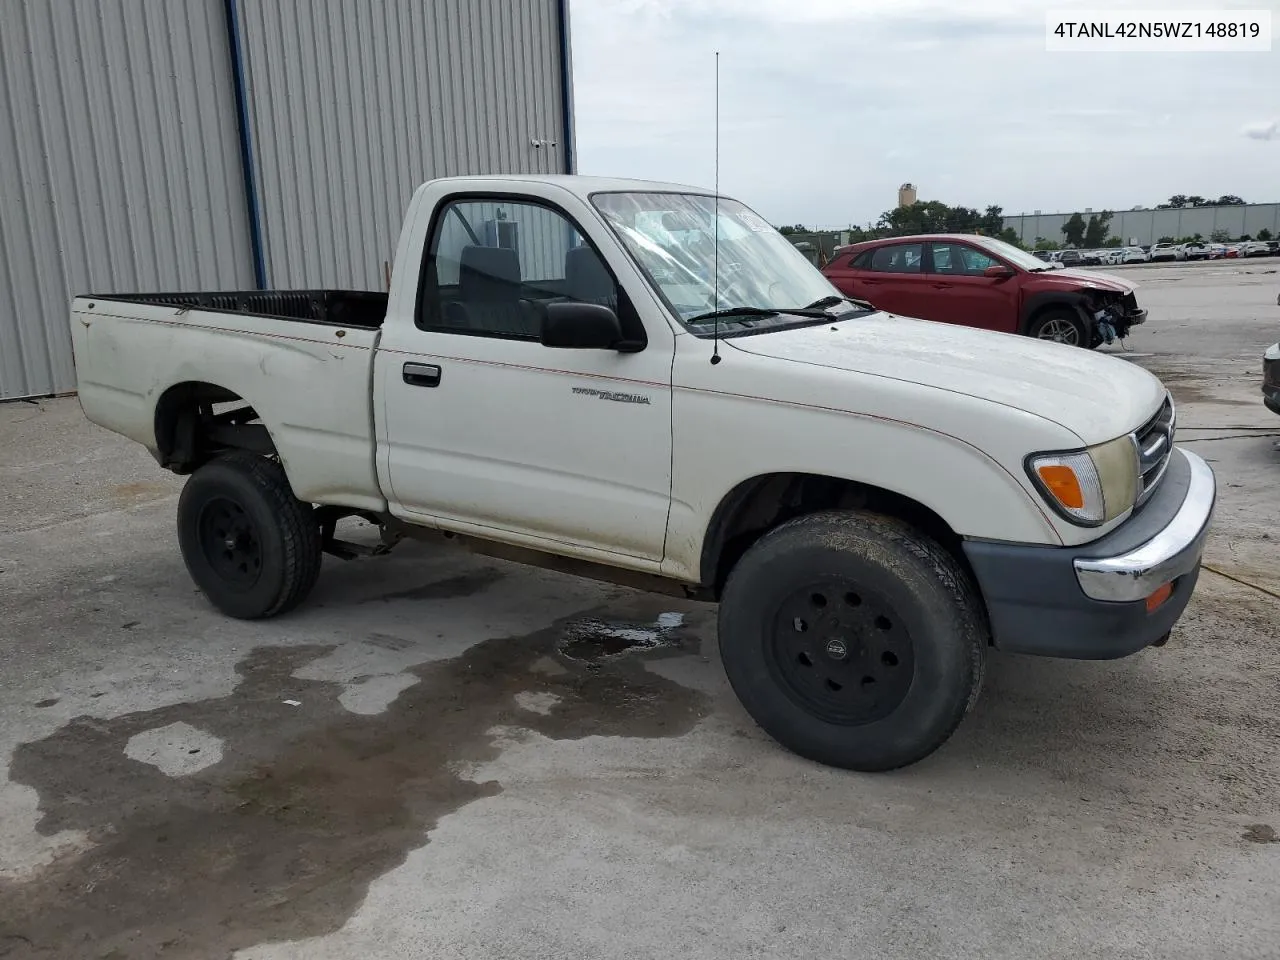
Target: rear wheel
(1061,326)
(249,544)
(853,640)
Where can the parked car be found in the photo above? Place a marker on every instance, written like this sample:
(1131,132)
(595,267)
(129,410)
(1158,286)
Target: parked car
(1271,378)
(1132,255)
(559,400)
(1215,251)
(1232,251)
(1070,258)
(984,282)
(1255,248)
(1163,251)
(1192,251)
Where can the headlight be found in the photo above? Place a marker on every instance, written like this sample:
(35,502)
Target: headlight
(1092,486)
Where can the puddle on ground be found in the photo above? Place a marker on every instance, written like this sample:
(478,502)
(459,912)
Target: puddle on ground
(594,641)
(309,803)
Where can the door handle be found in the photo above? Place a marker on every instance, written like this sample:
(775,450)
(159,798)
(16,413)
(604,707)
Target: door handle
(422,374)
(942,286)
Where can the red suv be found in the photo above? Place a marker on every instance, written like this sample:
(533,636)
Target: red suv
(983,282)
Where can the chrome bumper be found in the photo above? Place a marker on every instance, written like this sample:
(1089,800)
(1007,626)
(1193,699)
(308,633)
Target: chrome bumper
(1173,552)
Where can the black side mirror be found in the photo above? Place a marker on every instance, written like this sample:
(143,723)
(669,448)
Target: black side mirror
(581,326)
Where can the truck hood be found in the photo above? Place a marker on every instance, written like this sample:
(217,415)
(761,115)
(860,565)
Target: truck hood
(1095,396)
(1075,279)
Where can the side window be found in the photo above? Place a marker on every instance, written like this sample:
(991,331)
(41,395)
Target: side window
(897,258)
(959,259)
(863,260)
(489,262)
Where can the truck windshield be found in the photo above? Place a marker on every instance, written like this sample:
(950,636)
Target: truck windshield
(672,236)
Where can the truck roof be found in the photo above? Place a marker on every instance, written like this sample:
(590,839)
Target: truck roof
(582,186)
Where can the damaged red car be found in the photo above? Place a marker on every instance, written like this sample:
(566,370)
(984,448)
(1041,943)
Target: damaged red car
(983,282)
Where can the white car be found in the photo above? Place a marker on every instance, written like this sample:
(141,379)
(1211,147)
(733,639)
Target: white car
(1164,251)
(873,500)
(1193,251)
(1255,248)
(1132,255)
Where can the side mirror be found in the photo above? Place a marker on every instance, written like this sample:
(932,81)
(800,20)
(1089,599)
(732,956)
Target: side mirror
(581,326)
(997,272)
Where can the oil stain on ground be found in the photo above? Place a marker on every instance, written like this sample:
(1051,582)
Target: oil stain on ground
(281,838)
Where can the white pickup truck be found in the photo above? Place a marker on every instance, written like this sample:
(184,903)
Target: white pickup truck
(647,383)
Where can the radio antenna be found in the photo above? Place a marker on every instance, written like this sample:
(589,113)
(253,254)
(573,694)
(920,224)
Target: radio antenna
(715,286)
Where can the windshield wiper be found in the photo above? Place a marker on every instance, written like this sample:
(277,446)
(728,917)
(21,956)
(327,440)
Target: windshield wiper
(833,300)
(731,312)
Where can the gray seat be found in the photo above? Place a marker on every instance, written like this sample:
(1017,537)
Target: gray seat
(489,293)
(586,278)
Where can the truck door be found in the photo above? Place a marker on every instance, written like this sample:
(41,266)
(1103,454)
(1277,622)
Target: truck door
(485,430)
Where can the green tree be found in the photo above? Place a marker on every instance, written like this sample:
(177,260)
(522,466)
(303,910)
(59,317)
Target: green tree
(1177,201)
(791,229)
(1166,240)
(1194,201)
(1095,231)
(1043,244)
(1264,234)
(1229,200)
(1114,242)
(1074,230)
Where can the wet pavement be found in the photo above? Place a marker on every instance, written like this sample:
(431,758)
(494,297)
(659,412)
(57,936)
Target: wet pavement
(444,755)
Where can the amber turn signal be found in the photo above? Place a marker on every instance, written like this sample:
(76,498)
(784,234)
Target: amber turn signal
(1157,599)
(1063,483)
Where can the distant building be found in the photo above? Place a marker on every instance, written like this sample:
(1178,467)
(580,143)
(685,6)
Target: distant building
(1141,226)
(906,194)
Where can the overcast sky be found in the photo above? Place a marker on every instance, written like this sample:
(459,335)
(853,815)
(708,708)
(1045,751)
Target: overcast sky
(826,106)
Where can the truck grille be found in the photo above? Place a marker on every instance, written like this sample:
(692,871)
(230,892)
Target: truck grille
(1155,446)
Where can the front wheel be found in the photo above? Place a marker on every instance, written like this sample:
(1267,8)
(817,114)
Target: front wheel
(249,544)
(853,640)
(1060,326)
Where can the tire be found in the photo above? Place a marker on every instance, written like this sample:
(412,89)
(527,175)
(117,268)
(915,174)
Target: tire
(853,640)
(275,558)
(1060,326)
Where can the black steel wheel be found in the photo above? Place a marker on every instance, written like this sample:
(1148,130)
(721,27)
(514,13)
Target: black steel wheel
(842,652)
(249,544)
(230,542)
(853,639)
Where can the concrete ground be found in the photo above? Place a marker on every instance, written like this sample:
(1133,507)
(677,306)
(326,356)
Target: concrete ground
(441,756)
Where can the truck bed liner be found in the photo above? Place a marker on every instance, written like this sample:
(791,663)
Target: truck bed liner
(340,308)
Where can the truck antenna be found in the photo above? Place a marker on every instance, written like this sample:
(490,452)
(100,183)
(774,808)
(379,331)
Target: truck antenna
(715,304)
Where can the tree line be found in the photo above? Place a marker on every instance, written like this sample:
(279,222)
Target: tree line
(933,216)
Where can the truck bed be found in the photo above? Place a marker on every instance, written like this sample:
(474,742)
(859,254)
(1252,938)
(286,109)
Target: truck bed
(300,360)
(365,309)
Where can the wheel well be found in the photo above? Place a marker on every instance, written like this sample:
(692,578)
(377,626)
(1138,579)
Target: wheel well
(195,422)
(756,506)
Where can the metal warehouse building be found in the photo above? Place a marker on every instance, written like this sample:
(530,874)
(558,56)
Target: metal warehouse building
(156,145)
(1148,226)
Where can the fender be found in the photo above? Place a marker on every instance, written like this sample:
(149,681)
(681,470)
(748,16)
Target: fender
(1071,299)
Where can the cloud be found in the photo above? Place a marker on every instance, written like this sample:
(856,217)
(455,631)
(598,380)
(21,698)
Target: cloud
(1263,130)
(827,106)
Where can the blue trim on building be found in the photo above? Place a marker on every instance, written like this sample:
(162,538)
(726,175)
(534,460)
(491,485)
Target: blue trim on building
(246,145)
(566,86)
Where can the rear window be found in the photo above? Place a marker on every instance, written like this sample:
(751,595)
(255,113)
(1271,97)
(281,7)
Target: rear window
(898,258)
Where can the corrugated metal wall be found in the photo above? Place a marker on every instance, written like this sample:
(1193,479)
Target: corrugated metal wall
(1148,226)
(120,154)
(119,169)
(354,104)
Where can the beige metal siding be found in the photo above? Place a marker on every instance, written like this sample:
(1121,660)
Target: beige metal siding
(119,167)
(1148,226)
(353,105)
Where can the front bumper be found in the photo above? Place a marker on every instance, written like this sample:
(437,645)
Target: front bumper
(1090,602)
(1271,378)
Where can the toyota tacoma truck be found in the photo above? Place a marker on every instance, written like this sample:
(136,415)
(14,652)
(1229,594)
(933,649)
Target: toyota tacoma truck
(647,383)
